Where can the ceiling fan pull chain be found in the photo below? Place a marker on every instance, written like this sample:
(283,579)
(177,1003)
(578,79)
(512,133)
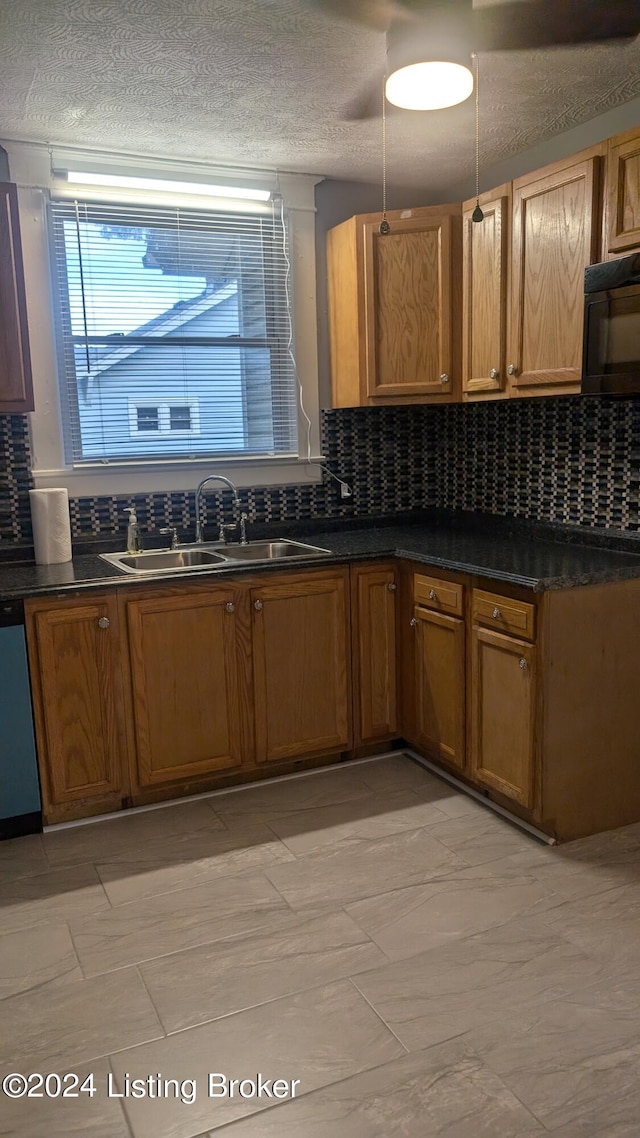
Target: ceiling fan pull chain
(384,224)
(477,214)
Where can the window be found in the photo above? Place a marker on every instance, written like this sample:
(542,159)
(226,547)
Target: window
(164,417)
(173,333)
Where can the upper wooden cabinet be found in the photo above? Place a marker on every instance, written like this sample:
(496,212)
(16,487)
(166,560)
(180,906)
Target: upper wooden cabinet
(16,388)
(622,194)
(393,307)
(484,294)
(555,236)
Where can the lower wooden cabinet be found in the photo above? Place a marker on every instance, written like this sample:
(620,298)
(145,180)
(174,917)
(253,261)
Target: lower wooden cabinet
(75,661)
(189,700)
(373,616)
(503,676)
(439,717)
(302,676)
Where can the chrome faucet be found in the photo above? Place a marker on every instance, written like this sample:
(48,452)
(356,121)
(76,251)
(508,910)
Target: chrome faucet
(236,503)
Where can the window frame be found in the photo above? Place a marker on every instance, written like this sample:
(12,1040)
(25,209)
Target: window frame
(31,166)
(164,409)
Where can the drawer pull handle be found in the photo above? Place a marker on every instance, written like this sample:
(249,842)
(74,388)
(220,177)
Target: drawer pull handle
(258,606)
(413,622)
(523,664)
(391,587)
(433,596)
(496,614)
(104,622)
(230,607)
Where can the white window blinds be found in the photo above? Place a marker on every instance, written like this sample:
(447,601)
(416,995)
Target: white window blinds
(174,333)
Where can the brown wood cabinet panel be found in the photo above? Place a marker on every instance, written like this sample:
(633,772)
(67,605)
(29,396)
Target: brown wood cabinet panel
(554,237)
(434,593)
(439,713)
(408,308)
(16,388)
(394,305)
(301,654)
(504,614)
(484,296)
(74,652)
(503,714)
(373,597)
(186,681)
(622,193)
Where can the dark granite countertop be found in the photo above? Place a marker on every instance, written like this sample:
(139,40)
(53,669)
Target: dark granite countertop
(534,555)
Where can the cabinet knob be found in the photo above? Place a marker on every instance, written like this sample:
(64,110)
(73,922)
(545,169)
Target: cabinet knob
(230,607)
(523,664)
(444,378)
(496,614)
(494,373)
(391,586)
(512,369)
(433,596)
(413,622)
(258,606)
(104,622)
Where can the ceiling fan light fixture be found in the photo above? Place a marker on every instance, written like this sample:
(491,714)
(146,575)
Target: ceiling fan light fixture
(429,86)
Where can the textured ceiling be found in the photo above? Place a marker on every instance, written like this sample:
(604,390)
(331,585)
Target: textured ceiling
(266,83)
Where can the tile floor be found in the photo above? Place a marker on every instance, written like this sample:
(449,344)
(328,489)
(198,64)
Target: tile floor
(421,967)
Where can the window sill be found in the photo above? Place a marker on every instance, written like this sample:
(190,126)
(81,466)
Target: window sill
(106,480)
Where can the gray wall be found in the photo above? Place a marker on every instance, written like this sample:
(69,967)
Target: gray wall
(560,146)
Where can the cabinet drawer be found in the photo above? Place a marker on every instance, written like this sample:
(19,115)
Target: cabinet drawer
(504,613)
(444,596)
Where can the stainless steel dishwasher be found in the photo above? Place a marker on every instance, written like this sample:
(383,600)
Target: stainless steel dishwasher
(20,807)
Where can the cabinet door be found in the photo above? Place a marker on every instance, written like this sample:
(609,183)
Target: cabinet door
(16,390)
(408,298)
(187,702)
(301,666)
(555,231)
(484,296)
(503,701)
(439,714)
(75,670)
(374,653)
(622,193)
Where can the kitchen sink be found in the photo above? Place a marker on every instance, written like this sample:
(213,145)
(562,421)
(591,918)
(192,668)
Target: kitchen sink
(208,556)
(166,560)
(269,550)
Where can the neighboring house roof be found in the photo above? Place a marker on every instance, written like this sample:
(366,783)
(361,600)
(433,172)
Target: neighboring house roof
(163,325)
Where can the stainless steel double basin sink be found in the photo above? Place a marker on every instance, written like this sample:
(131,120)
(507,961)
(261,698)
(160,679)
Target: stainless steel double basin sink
(207,556)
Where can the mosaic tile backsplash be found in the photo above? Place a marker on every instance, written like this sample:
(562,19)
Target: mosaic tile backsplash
(574,460)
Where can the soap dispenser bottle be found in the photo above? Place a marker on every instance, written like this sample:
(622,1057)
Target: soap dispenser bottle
(133,533)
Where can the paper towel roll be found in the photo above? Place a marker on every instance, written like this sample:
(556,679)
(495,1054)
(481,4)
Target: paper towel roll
(51,527)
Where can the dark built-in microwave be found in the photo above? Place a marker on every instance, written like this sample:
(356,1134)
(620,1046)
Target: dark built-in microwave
(611,353)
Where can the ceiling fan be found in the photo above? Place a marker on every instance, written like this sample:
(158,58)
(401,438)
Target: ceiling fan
(430,42)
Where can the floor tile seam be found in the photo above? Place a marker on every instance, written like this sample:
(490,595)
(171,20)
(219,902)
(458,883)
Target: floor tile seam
(179,888)
(138,848)
(241,1011)
(123,1112)
(358,844)
(151,1001)
(378,1016)
(551,908)
(176,952)
(501,1079)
